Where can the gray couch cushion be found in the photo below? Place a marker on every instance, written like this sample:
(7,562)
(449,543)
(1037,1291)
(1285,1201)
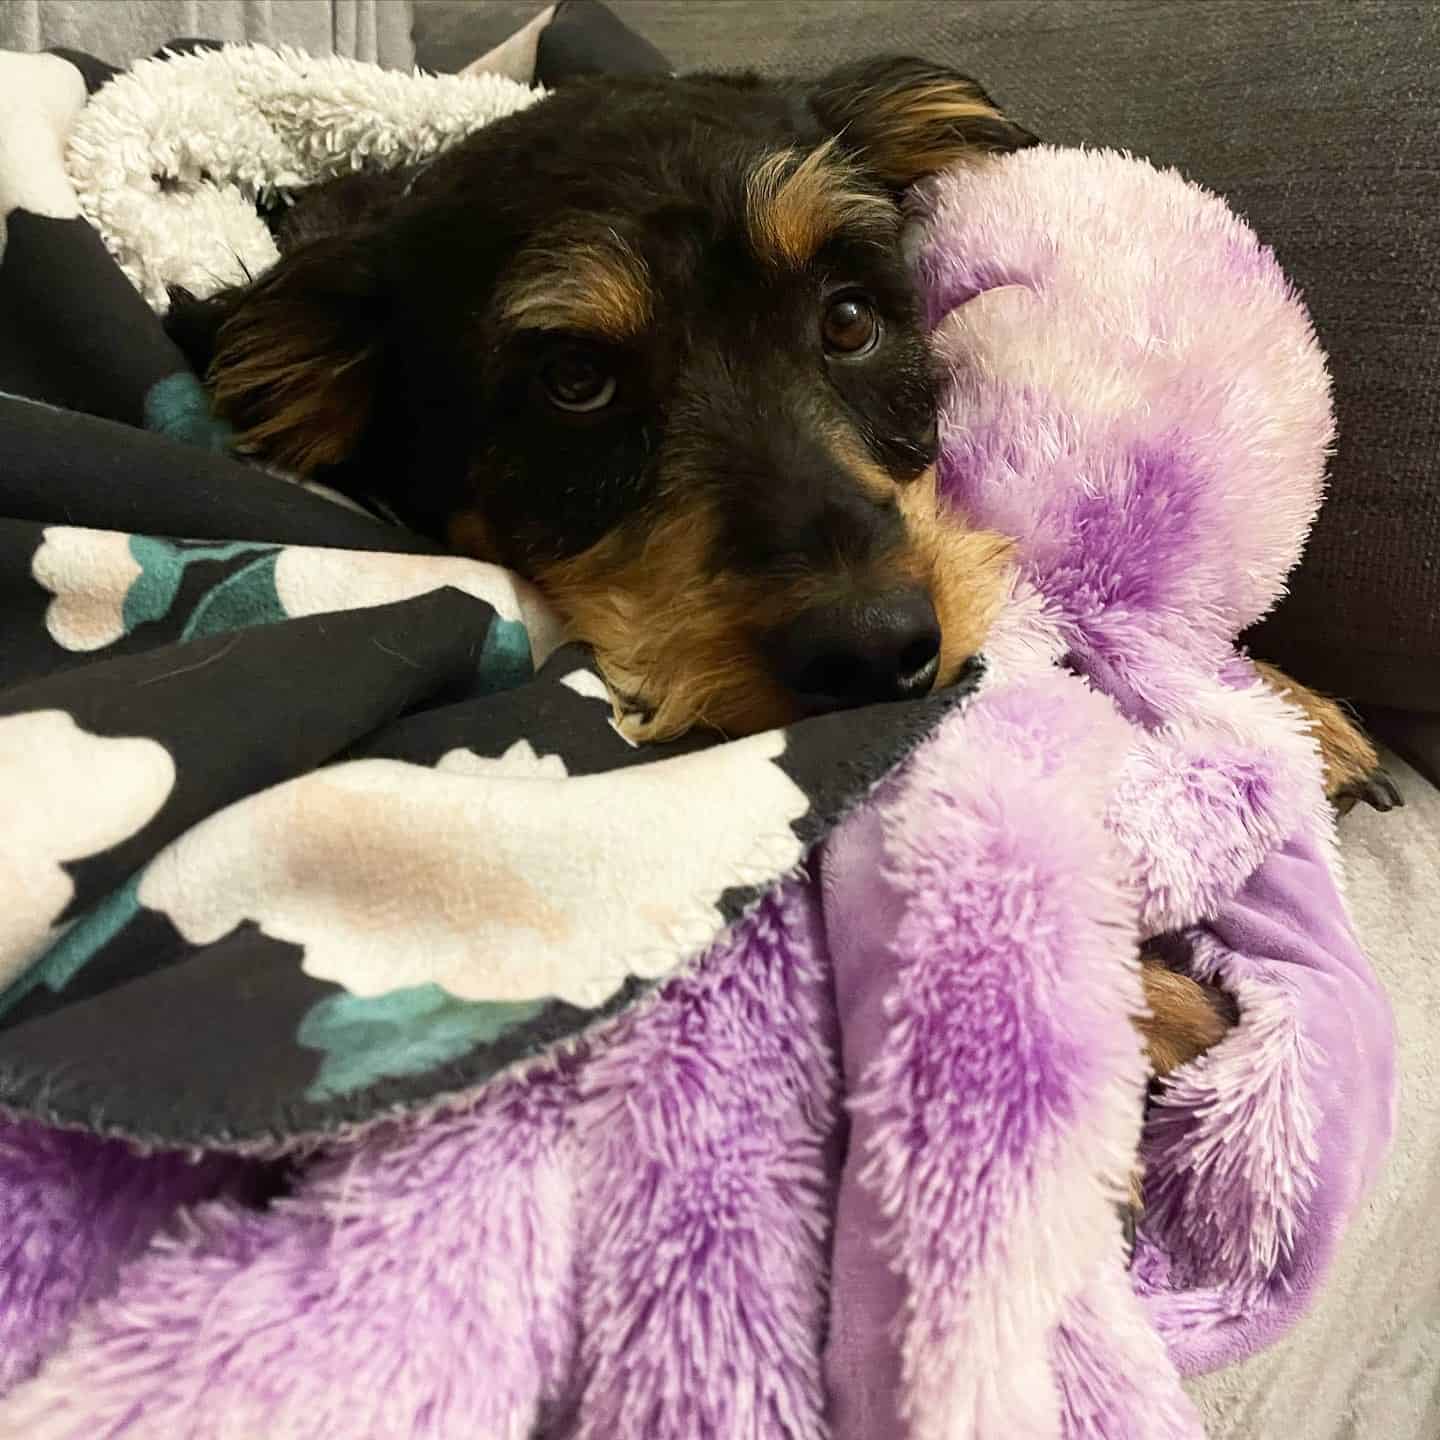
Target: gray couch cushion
(449,34)
(378,30)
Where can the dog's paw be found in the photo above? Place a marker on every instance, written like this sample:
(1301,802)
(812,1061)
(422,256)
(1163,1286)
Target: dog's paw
(1378,790)
(1352,766)
(1185,1016)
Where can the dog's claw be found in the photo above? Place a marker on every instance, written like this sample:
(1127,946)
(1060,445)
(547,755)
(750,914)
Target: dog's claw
(1377,790)
(1382,792)
(1129,1219)
(1128,1211)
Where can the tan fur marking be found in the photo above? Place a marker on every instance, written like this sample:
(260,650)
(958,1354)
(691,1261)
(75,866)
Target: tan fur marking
(1185,1017)
(681,639)
(796,203)
(669,633)
(968,572)
(1135,1190)
(590,286)
(919,130)
(857,462)
(295,398)
(1347,755)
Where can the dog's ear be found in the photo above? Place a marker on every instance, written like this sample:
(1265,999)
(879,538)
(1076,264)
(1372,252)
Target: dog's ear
(295,358)
(904,118)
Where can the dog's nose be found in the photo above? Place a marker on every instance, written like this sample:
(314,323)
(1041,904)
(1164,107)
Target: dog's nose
(860,651)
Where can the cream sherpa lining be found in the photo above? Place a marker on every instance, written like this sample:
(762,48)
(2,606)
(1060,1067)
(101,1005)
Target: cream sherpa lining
(169,159)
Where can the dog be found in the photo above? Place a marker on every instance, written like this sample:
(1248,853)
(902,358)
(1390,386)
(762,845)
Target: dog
(653,343)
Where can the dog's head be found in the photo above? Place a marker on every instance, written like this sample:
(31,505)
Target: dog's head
(654,344)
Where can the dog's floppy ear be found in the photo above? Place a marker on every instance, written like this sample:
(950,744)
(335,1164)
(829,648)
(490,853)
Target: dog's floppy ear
(295,357)
(904,118)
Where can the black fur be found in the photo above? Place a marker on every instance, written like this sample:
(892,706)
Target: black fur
(728,386)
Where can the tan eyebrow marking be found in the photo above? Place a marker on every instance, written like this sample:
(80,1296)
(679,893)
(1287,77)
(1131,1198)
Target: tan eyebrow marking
(593,285)
(795,203)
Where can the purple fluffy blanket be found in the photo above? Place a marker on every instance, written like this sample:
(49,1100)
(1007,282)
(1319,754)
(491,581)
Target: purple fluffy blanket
(854,1175)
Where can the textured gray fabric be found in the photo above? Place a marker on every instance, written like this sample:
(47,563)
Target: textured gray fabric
(514,57)
(123,30)
(1415,736)
(1316,119)
(1365,1363)
(450,34)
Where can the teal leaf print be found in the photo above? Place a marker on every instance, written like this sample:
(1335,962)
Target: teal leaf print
(239,601)
(505,659)
(178,406)
(73,950)
(162,568)
(403,1032)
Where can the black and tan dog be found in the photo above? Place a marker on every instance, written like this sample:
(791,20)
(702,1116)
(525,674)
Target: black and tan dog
(654,344)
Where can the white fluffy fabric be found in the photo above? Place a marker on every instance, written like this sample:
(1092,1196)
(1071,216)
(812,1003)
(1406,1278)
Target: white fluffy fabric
(169,159)
(40,96)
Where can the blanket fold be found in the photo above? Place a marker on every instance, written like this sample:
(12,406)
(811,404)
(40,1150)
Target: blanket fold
(390,1049)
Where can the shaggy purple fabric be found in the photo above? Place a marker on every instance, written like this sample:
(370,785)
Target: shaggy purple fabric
(993,1077)
(855,1175)
(630,1242)
(72,1210)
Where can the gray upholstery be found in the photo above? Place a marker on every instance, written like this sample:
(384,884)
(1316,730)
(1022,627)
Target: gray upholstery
(122,30)
(449,34)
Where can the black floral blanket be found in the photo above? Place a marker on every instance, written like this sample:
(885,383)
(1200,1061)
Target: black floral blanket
(305,822)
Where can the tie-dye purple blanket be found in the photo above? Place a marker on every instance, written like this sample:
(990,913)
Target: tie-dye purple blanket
(854,1175)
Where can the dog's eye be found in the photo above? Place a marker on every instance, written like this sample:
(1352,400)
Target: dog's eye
(851,326)
(577,378)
